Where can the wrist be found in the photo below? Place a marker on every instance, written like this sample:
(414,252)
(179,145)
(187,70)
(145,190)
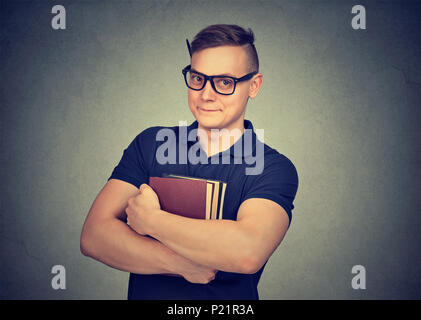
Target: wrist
(154,222)
(169,262)
(177,263)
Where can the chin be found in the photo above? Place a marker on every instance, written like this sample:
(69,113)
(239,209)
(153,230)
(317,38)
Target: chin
(211,120)
(209,123)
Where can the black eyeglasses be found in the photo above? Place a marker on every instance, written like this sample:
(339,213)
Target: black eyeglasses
(221,84)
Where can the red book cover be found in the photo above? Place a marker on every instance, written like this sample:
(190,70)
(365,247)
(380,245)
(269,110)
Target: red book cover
(183,197)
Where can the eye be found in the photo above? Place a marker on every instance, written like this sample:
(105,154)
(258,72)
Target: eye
(225,82)
(196,77)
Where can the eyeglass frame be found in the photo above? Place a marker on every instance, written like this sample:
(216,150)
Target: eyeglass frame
(210,78)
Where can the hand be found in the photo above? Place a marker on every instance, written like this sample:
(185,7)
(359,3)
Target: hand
(141,209)
(196,273)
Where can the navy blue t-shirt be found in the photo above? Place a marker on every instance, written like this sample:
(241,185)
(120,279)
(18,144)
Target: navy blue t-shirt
(277,181)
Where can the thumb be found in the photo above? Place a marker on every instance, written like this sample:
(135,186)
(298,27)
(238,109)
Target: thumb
(143,187)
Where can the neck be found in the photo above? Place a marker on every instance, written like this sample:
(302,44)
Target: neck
(217,140)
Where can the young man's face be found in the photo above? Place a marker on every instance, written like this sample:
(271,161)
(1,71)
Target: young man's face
(211,109)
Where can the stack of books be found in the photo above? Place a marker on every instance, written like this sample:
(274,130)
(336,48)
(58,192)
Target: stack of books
(189,196)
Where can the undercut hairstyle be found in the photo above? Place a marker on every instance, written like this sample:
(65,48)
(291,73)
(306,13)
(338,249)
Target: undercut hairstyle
(227,35)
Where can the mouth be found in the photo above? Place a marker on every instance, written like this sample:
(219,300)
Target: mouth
(208,110)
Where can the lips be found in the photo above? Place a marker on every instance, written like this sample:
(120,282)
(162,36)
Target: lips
(208,110)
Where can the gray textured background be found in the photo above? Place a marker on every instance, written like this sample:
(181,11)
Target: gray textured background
(343,105)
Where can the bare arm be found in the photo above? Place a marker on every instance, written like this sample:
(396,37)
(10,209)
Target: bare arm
(106,237)
(241,246)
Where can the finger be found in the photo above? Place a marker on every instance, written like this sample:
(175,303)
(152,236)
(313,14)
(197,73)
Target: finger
(145,187)
(142,187)
(132,202)
(129,210)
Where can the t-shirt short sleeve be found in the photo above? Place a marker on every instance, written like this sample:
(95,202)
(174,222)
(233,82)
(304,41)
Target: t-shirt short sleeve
(278,182)
(132,167)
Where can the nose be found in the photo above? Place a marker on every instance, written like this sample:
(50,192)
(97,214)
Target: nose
(207,92)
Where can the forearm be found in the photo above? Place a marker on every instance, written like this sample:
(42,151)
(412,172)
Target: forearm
(221,244)
(114,243)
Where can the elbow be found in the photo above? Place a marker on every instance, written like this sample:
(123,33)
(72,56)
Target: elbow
(250,261)
(85,247)
(249,265)
(250,258)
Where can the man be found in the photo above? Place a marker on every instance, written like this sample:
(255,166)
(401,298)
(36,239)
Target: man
(215,259)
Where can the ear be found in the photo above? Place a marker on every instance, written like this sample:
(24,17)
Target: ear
(255,85)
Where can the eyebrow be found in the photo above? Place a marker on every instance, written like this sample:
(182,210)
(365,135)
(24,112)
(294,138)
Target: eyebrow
(217,75)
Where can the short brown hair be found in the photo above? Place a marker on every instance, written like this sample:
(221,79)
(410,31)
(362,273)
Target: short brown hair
(225,35)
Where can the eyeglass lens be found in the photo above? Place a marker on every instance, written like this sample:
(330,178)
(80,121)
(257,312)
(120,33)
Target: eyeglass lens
(223,85)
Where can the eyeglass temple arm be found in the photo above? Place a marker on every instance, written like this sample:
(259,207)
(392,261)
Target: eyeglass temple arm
(188,47)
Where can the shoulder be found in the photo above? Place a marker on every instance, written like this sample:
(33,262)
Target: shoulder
(278,167)
(150,135)
(277,182)
(276,159)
